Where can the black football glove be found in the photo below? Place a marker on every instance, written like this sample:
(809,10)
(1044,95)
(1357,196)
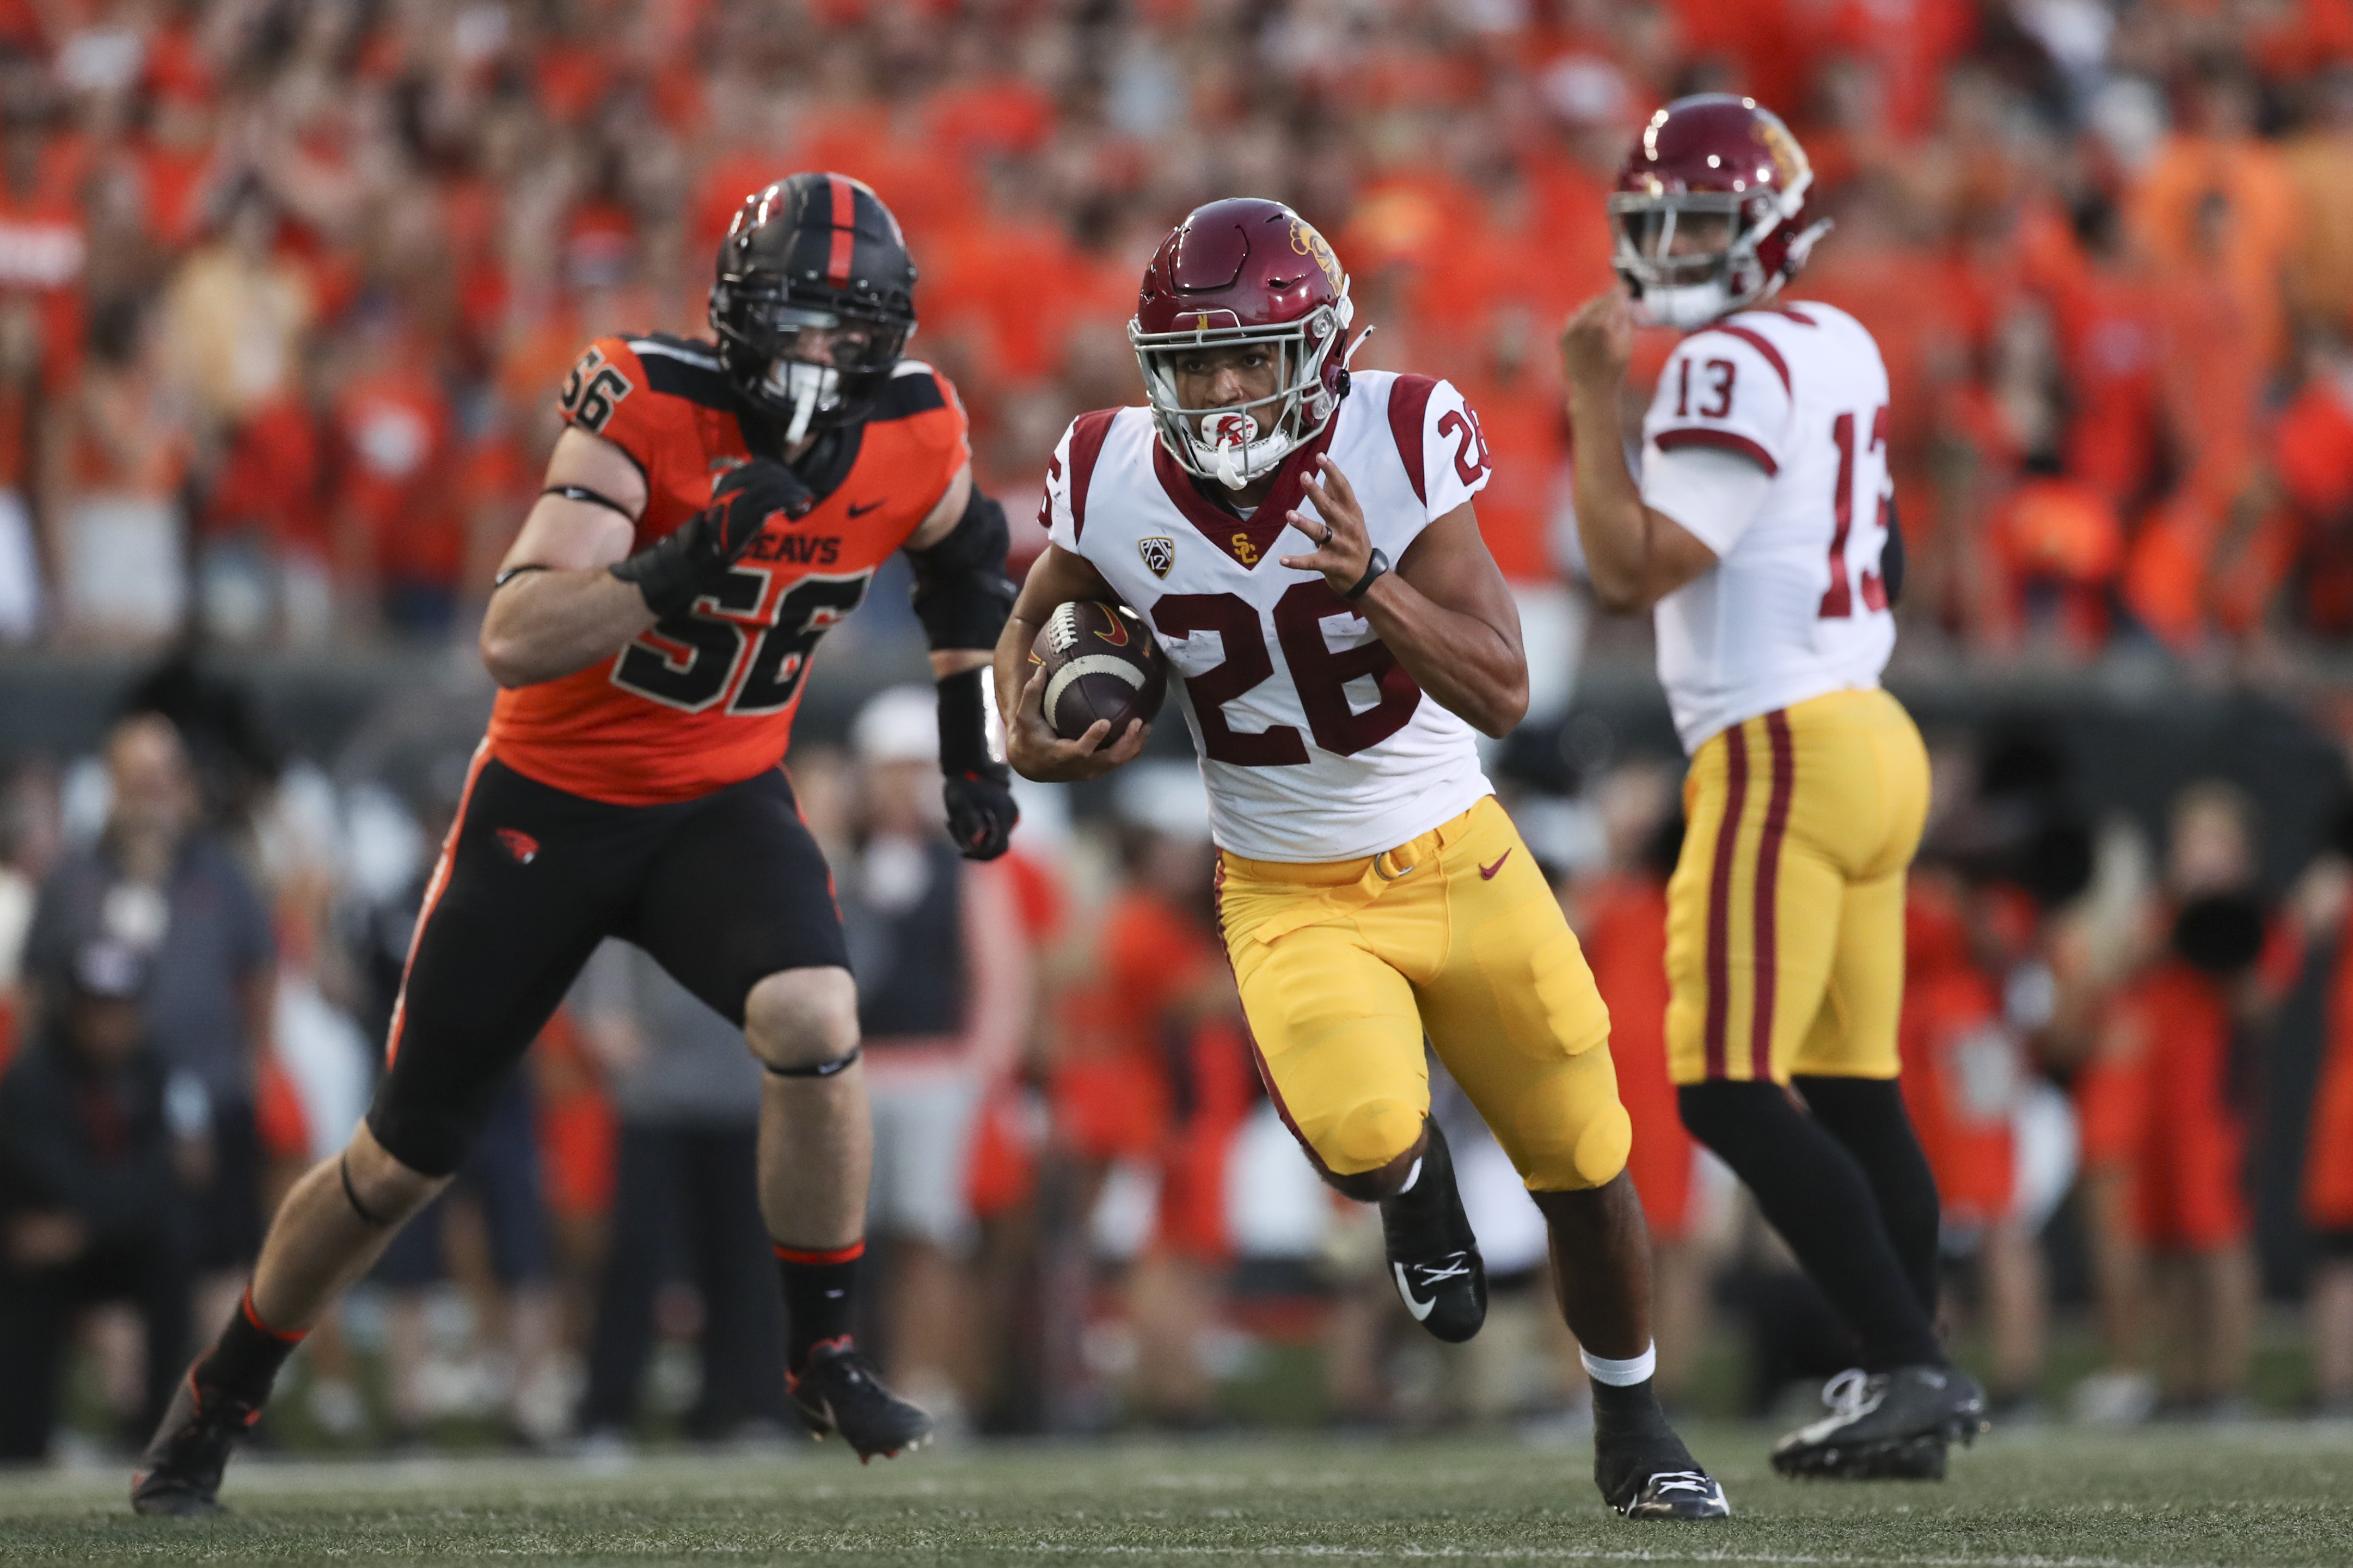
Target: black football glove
(978,788)
(692,559)
(981,813)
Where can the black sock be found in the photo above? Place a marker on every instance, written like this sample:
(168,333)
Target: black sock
(1867,1115)
(1422,1210)
(1619,1408)
(1816,1193)
(244,1362)
(820,1297)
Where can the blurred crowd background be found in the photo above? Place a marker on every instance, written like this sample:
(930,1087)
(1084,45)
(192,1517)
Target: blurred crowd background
(287,288)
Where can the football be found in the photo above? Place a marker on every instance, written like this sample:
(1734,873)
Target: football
(1101,662)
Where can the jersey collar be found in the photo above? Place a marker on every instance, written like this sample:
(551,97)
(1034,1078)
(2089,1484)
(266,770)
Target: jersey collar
(1246,538)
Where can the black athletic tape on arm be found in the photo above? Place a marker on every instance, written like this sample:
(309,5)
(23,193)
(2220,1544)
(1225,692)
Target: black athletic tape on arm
(815,1069)
(964,725)
(352,1195)
(582,492)
(961,592)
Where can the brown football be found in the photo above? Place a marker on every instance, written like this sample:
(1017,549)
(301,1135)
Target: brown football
(1101,662)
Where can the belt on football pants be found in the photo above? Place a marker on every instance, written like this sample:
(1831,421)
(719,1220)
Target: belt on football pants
(1349,885)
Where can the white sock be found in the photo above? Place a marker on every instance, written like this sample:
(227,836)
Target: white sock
(1620,1373)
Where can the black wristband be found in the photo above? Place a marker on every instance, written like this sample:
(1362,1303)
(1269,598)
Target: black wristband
(511,573)
(1374,568)
(964,725)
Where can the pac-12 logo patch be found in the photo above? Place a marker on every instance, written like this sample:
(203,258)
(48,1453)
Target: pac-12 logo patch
(522,846)
(1159,554)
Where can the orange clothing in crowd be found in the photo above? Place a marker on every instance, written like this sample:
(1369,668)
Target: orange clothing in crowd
(1142,1076)
(44,250)
(578,1130)
(2159,1104)
(394,427)
(1623,929)
(2062,538)
(269,482)
(2319,165)
(2112,345)
(1962,1064)
(2256,239)
(2329,1141)
(1527,443)
(1112,1092)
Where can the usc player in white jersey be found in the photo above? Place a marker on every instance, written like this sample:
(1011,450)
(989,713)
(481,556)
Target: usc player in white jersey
(1302,543)
(1760,532)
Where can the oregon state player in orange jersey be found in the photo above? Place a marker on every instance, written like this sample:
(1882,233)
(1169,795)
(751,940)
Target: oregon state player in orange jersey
(710,510)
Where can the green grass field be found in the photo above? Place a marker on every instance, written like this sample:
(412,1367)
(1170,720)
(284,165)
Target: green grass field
(2052,1498)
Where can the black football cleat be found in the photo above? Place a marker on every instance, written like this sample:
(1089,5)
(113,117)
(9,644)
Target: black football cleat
(1889,1425)
(1432,1252)
(838,1391)
(1648,1473)
(179,1472)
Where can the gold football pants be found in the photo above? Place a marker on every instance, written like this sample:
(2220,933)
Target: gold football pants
(1345,965)
(1785,916)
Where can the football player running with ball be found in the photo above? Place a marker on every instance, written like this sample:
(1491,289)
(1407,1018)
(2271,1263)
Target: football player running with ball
(1302,544)
(1762,530)
(711,510)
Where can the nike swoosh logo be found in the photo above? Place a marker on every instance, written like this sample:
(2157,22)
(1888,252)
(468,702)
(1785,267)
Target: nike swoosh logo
(1117,635)
(857,510)
(1487,873)
(1421,1310)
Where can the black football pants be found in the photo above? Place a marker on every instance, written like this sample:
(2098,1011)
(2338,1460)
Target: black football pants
(722,891)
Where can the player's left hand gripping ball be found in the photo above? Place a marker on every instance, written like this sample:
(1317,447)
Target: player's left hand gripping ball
(981,813)
(689,561)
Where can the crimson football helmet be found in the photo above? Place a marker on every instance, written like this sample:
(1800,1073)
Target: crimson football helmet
(1712,156)
(811,257)
(1244,271)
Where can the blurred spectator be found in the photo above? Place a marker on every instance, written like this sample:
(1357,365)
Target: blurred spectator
(1151,1078)
(122,546)
(504,1267)
(98,1142)
(1620,918)
(2165,1105)
(1964,1073)
(28,428)
(2327,1203)
(168,891)
(685,1204)
(937,946)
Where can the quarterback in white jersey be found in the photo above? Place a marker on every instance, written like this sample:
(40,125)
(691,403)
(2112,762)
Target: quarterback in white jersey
(1760,532)
(1302,543)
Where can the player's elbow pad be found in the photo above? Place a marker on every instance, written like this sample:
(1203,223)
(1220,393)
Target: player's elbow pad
(962,595)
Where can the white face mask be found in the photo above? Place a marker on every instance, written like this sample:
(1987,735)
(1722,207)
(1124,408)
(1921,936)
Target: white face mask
(1685,306)
(811,389)
(1230,446)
